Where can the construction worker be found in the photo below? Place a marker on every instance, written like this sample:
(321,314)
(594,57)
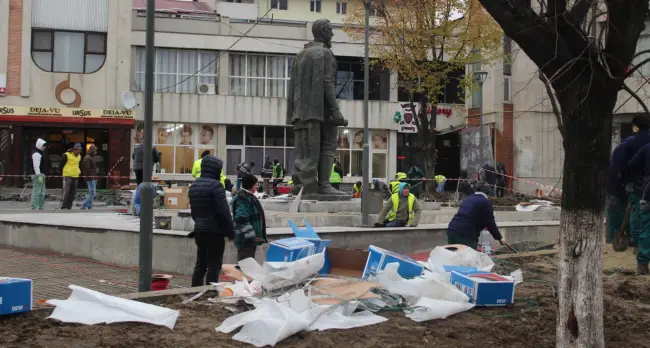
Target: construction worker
(278,174)
(415,175)
(616,196)
(400,177)
(196,168)
(440,183)
(632,178)
(71,170)
(641,161)
(336,175)
(357,189)
(474,214)
(401,210)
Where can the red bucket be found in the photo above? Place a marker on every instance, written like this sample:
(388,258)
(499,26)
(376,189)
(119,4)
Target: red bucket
(160,282)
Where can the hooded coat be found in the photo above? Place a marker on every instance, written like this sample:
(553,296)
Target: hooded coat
(38,164)
(208,204)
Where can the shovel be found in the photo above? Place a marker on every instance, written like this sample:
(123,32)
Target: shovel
(511,248)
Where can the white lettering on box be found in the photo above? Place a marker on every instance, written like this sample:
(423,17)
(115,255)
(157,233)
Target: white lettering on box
(16,308)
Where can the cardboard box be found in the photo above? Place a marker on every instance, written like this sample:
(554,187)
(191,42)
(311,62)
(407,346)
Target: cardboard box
(484,288)
(289,250)
(310,234)
(378,258)
(345,262)
(328,291)
(15,295)
(176,197)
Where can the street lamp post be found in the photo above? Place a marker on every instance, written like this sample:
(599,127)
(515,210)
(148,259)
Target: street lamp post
(480,77)
(146,191)
(365,219)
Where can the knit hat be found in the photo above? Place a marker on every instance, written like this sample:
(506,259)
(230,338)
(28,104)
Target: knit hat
(77,146)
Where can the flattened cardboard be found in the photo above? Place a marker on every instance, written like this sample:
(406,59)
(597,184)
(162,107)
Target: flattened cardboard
(345,262)
(333,291)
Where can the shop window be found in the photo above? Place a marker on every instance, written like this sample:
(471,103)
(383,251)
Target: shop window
(350,152)
(259,75)
(178,71)
(379,165)
(234,135)
(166,159)
(255,155)
(68,51)
(254,136)
(233,158)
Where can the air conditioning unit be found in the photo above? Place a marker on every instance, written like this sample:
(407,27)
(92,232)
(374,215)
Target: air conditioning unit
(207,88)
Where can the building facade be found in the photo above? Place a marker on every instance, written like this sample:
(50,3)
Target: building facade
(63,67)
(221,74)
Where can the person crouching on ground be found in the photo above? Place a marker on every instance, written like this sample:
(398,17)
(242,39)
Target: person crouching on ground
(212,221)
(474,214)
(401,210)
(250,222)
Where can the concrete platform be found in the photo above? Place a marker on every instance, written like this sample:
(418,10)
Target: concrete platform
(353,206)
(113,238)
(182,221)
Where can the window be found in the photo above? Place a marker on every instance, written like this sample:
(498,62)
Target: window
(349,81)
(642,45)
(176,70)
(259,142)
(341,7)
(68,51)
(350,152)
(314,5)
(259,75)
(181,144)
(507,59)
(476,89)
(279,4)
(507,89)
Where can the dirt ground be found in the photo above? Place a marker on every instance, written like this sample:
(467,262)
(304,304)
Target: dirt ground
(529,323)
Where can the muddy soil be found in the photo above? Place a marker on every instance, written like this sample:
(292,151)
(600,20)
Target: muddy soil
(529,323)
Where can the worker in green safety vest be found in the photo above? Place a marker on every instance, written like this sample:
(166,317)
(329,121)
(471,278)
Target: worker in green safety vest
(440,182)
(196,168)
(400,177)
(336,175)
(278,175)
(401,210)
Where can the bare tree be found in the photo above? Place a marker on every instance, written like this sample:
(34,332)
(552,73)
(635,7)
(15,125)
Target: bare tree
(586,68)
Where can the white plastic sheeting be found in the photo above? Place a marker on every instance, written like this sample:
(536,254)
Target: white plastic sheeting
(89,307)
(440,257)
(274,275)
(274,320)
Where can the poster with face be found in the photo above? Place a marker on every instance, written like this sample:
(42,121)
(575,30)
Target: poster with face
(138,134)
(185,135)
(207,135)
(357,139)
(343,142)
(379,140)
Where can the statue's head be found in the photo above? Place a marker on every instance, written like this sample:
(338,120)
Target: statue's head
(322,30)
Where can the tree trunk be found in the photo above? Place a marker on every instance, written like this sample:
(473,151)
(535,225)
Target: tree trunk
(588,121)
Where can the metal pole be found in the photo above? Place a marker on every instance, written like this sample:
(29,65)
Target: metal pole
(146,191)
(366,133)
(480,112)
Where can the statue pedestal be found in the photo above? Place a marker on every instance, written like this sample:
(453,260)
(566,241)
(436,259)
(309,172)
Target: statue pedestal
(325,197)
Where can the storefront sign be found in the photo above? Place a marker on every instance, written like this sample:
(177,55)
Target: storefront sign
(65,112)
(408,123)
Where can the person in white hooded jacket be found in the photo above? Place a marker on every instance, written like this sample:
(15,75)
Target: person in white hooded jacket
(38,175)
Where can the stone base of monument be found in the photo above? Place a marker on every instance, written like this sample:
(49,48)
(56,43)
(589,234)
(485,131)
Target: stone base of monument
(325,198)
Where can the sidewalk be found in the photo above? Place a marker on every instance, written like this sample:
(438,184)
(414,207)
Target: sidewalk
(53,273)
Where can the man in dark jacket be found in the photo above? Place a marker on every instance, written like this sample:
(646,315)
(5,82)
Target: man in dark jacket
(267,174)
(250,222)
(465,185)
(138,161)
(640,163)
(502,180)
(489,175)
(474,214)
(89,170)
(212,221)
(243,169)
(631,172)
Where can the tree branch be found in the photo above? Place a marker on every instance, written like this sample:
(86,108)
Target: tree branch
(625,23)
(551,97)
(638,99)
(578,12)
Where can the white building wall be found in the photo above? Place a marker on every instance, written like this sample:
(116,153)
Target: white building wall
(99,90)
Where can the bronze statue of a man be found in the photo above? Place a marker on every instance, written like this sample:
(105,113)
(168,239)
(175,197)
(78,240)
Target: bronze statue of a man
(313,112)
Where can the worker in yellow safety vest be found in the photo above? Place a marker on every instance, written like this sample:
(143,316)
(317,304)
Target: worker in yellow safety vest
(440,183)
(399,178)
(401,210)
(357,189)
(71,172)
(336,175)
(196,168)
